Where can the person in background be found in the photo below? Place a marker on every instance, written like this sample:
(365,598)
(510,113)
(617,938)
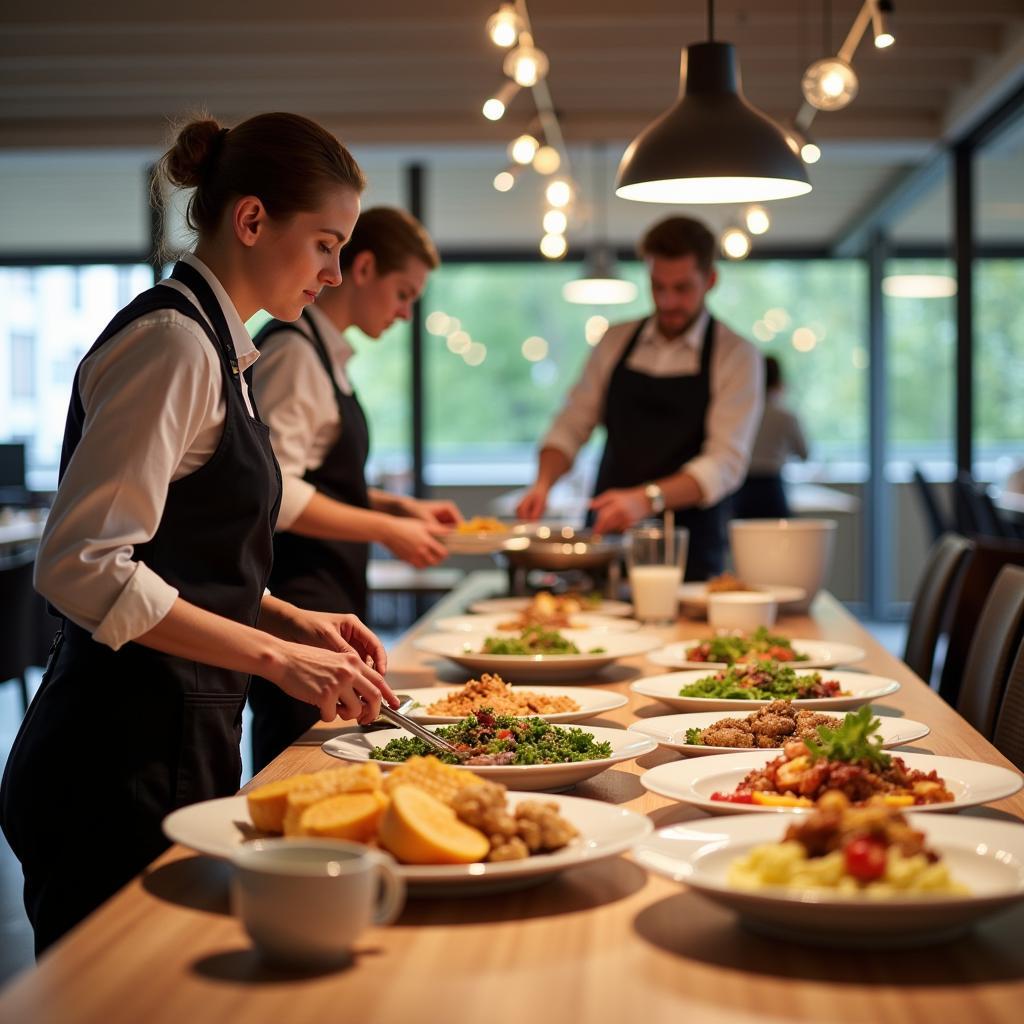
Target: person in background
(329,516)
(680,395)
(763,495)
(157,551)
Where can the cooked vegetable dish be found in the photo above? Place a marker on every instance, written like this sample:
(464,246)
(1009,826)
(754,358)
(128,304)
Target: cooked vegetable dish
(766,728)
(759,646)
(766,680)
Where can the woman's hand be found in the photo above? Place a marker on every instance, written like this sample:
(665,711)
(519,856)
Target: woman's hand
(415,541)
(620,508)
(338,682)
(441,513)
(337,631)
(533,503)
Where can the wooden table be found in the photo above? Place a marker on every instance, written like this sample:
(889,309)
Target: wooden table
(607,942)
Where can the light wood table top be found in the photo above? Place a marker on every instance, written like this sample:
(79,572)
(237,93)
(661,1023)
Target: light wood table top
(606,942)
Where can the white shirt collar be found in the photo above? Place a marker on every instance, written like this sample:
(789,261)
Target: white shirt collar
(692,338)
(245,351)
(339,347)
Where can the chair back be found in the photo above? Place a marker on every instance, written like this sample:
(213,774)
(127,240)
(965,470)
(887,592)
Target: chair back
(1009,733)
(983,566)
(973,515)
(992,650)
(16,615)
(934,596)
(934,517)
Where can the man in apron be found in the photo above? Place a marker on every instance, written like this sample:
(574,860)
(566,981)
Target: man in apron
(680,395)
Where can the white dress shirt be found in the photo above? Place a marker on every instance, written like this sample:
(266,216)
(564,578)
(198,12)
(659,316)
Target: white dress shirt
(296,400)
(734,411)
(779,436)
(154,412)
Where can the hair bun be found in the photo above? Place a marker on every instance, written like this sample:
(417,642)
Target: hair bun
(194,148)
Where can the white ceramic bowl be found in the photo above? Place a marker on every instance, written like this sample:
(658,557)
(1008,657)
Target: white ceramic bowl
(742,609)
(789,551)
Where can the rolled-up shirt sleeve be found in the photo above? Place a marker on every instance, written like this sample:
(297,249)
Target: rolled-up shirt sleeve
(147,394)
(296,401)
(733,416)
(585,403)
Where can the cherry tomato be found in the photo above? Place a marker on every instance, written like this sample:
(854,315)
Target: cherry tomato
(733,798)
(865,859)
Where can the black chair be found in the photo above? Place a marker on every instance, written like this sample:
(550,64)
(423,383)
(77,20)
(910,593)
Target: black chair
(975,516)
(933,515)
(995,643)
(983,566)
(17,624)
(1009,733)
(933,599)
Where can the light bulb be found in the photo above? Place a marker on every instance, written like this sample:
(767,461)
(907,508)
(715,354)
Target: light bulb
(829,84)
(758,221)
(735,244)
(547,160)
(810,153)
(494,109)
(535,349)
(504,181)
(437,323)
(523,149)
(526,64)
(555,222)
(475,354)
(554,247)
(594,329)
(803,339)
(458,342)
(559,193)
(503,26)
(880,23)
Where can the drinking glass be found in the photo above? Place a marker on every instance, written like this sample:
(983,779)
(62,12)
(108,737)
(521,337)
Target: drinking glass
(656,558)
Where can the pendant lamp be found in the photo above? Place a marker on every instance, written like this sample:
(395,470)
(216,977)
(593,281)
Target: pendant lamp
(600,284)
(712,146)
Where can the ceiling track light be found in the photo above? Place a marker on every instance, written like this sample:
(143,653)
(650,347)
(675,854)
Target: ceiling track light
(504,26)
(494,108)
(712,145)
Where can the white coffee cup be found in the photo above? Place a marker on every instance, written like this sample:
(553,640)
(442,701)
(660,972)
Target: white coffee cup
(305,902)
(743,609)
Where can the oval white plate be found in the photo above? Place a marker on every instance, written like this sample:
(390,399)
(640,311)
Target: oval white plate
(464,650)
(218,827)
(821,654)
(693,781)
(504,605)
(670,731)
(356,746)
(587,621)
(592,701)
(863,689)
(476,543)
(695,595)
(987,857)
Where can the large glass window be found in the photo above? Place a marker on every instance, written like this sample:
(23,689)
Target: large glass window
(49,316)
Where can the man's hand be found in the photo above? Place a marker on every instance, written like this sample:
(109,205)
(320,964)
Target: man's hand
(337,631)
(437,513)
(415,541)
(620,508)
(533,503)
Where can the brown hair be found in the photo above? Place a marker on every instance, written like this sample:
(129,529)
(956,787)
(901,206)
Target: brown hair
(676,237)
(393,236)
(288,161)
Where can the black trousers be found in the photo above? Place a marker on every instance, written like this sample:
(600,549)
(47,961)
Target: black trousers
(761,497)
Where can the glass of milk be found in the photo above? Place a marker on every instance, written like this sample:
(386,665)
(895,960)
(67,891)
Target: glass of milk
(657,560)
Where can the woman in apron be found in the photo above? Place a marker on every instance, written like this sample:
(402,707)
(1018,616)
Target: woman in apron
(158,549)
(329,515)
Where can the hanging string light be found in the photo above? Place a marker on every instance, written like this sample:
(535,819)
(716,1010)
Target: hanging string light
(504,26)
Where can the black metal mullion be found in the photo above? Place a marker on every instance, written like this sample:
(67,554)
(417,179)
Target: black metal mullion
(963,238)
(877,541)
(415,191)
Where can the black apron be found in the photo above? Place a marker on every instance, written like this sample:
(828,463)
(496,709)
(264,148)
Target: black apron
(321,575)
(115,740)
(655,425)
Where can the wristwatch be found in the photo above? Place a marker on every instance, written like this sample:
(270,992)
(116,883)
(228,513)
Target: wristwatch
(653,493)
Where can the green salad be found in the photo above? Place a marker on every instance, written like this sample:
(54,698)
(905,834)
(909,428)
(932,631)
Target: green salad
(490,739)
(534,640)
(766,680)
(761,645)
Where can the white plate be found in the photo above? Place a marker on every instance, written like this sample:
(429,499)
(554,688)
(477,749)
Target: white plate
(695,595)
(504,605)
(987,856)
(464,650)
(693,781)
(218,827)
(820,654)
(670,731)
(591,700)
(862,689)
(476,543)
(491,624)
(356,746)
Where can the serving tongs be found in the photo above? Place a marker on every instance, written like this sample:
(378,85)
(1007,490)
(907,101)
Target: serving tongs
(431,738)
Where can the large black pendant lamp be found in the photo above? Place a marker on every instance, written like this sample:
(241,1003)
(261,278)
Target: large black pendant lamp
(712,146)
